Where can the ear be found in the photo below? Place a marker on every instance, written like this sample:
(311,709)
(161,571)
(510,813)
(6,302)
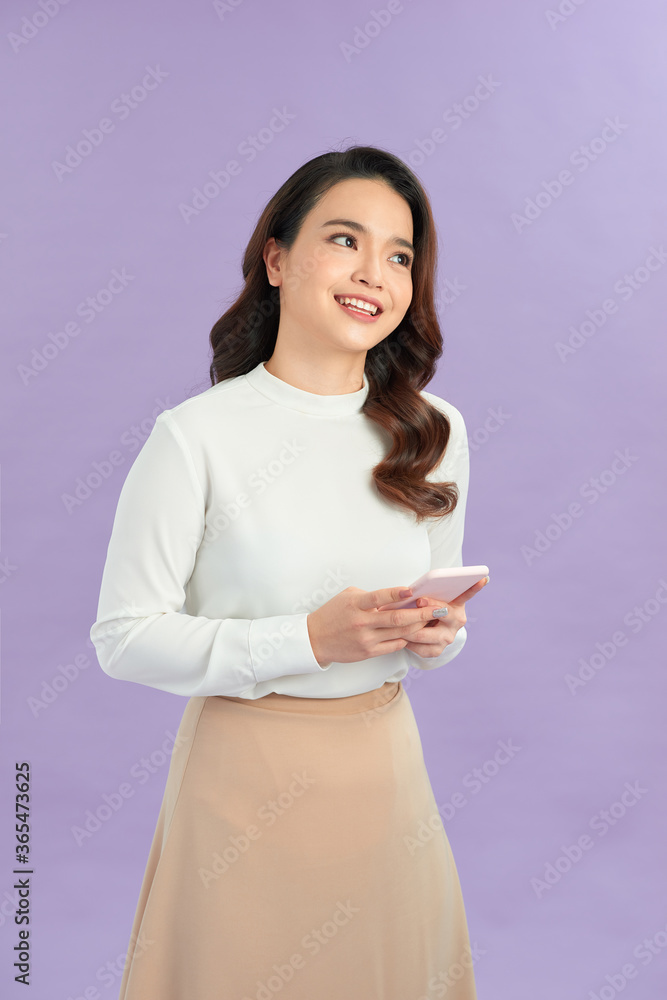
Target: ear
(272,255)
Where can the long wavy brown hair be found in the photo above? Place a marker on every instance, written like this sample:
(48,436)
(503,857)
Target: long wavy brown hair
(397,368)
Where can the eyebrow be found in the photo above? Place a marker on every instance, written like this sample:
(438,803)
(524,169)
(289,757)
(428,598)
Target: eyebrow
(398,240)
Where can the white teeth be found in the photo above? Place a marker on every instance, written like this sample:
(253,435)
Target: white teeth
(358,303)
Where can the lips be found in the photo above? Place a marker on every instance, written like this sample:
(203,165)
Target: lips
(358,314)
(358,310)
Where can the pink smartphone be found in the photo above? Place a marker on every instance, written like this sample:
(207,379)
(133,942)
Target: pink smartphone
(442,585)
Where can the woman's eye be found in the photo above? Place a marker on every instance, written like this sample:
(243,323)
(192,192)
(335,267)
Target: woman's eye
(406,256)
(346,236)
(343,236)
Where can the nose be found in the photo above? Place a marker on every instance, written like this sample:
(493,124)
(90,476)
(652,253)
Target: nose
(369,273)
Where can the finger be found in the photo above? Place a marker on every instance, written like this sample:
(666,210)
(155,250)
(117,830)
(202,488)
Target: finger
(424,602)
(441,621)
(401,618)
(425,644)
(441,624)
(376,598)
(470,592)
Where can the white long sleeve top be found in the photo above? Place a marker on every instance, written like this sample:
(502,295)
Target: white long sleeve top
(249,506)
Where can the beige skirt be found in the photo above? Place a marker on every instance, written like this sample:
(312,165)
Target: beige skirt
(299,854)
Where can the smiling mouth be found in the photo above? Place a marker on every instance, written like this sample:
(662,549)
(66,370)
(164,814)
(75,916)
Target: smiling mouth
(357,305)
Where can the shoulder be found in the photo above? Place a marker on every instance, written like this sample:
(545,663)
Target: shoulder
(211,407)
(456,456)
(452,412)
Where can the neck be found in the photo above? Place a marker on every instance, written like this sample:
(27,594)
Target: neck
(314,374)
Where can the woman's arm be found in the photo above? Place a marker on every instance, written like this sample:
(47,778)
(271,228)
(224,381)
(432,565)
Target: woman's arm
(446,533)
(140,633)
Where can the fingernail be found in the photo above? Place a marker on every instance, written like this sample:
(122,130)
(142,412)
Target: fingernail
(440,612)
(486,579)
(405,592)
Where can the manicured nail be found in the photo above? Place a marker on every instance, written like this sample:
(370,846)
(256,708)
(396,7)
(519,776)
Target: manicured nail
(440,612)
(405,592)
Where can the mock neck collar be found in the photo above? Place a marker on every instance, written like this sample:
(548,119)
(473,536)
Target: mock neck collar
(293,398)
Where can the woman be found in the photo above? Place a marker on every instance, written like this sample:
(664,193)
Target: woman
(257,536)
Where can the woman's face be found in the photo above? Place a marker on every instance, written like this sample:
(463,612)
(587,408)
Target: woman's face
(370,259)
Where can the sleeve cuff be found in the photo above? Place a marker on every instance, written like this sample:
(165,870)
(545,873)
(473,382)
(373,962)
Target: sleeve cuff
(281,645)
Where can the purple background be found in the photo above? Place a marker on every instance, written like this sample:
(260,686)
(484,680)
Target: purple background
(507,294)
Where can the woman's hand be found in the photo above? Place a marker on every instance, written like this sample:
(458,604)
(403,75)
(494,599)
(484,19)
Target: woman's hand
(442,631)
(350,626)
